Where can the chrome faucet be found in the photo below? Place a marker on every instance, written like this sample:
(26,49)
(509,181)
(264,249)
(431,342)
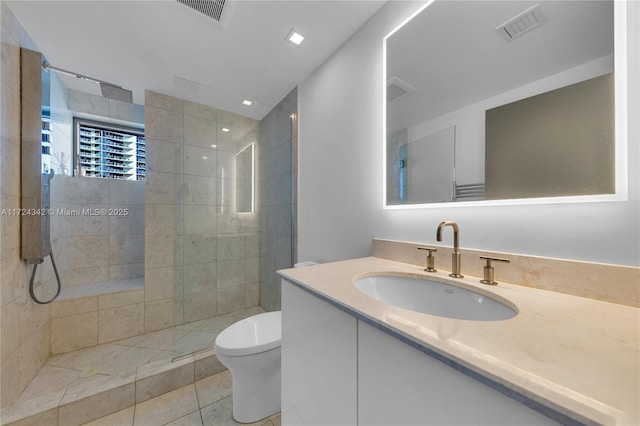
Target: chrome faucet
(455,256)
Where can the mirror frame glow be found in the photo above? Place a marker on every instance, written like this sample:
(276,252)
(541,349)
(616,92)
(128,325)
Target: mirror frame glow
(621,161)
(252,149)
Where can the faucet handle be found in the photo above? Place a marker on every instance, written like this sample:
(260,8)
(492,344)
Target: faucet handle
(430,259)
(489,271)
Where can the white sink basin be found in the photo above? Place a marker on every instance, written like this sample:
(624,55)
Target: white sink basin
(434,298)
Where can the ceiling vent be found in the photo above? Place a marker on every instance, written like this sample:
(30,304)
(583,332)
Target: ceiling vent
(397,88)
(212,8)
(523,23)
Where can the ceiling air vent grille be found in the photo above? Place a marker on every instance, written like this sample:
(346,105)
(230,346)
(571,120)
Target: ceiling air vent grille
(524,22)
(211,8)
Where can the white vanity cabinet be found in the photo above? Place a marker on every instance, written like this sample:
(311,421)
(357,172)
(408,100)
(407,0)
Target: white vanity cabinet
(400,385)
(338,370)
(319,361)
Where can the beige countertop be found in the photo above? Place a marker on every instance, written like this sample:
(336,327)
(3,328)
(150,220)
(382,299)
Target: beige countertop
(578,356)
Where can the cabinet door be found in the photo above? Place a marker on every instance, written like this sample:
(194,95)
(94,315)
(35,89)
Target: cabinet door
(399,385)
(319,355)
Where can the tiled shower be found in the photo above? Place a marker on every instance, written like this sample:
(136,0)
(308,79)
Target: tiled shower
(197,256)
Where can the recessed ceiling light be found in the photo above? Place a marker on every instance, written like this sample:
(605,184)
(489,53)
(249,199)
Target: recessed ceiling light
(224,129)
(246,102)
(295,37)
(214,146)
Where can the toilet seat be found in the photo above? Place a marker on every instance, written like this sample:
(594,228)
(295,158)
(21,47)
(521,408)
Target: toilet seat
(250,336)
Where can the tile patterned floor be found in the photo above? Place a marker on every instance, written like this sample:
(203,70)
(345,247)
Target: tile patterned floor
(206,402)
(94,365)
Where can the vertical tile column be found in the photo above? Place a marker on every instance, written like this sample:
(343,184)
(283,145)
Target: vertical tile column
(164,210)
(200,164)
(24,325)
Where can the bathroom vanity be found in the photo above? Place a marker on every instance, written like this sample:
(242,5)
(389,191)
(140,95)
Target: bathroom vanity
(350,359)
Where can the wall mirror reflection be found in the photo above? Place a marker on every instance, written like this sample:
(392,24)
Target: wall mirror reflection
(245,191)
(518,103)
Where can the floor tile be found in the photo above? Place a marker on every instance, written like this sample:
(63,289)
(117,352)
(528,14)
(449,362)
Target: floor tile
(86,359)
(221,414)
(162,339)
(119,418)
(193,341)
(192,419)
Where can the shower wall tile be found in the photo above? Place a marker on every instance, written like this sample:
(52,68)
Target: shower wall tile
(160,251)
(199,161)
(74,332)
(83,276)
(199,219)
(199,190)
(86,190)
(164,125)
(163,157)
(230,274)
(163,283)
(163,313)
(199,278)
(278,158)
(231,299)
(188,207)
(67,307)
(120,322)
(200,306)
(103,237)
(125,249)
(163,219)
(199,131)
(199,249)
(200,111)
(126,272)
(154,99)
(121,298)
(128,219)
(84,224)
(163,188)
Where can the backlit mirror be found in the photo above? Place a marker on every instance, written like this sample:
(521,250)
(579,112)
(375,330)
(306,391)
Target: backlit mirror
(492,101)
(245,197)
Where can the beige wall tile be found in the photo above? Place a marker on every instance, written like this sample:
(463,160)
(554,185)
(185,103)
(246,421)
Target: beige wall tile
(200,277)
(163,124)
(163,283)
(163,156)
(74,332)
(126,249)
(120,322)
(198,306)
(159,100)
(66,307)
(164,313)
(230,299)
(121,298)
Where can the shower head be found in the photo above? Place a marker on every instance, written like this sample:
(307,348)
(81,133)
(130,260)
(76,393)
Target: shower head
(109,90)
(116,92)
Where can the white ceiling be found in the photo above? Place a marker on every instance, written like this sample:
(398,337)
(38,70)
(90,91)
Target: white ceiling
(167,47)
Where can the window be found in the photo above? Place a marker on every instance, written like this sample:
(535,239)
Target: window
(109,151)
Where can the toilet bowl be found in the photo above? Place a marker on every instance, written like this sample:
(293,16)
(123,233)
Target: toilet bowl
(250,349)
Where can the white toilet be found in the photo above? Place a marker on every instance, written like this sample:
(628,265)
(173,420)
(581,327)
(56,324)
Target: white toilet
(250,349)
